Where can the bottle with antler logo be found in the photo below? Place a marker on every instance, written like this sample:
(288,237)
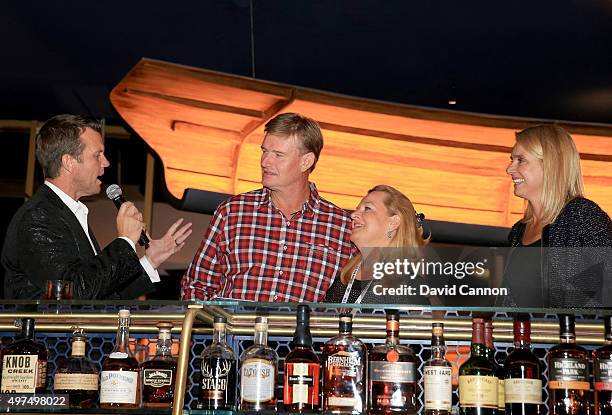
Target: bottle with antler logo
(218,376)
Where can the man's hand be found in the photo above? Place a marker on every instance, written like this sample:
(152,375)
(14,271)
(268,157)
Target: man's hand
(169,244)
(129,221)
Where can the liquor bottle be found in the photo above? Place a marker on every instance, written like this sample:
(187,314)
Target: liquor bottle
(258,365)
(24,362)
(602,365)
(523,383)
(500,372)
(568,384)
(120,379)
(477,380)
(159,373)
(392,374)
(438,376)
(344,361)
(77,376)
(218,372)
(302,368)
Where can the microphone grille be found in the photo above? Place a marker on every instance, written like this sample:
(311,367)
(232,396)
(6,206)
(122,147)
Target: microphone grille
(113,191)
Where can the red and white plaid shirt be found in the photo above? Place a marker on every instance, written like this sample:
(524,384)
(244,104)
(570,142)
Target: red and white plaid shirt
(252,252)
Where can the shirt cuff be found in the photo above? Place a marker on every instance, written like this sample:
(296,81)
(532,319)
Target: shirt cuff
(144,261)
(151,272)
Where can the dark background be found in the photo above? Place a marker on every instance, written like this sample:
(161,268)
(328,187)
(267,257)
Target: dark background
(539,59)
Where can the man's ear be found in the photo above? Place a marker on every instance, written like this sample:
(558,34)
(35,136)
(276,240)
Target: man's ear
(307,161)
(68,162)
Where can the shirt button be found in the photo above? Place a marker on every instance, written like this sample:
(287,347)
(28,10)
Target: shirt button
(285,248)
(280,272)
(276,297)
(288,224)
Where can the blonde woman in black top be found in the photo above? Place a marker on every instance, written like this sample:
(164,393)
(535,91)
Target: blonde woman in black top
(573,267)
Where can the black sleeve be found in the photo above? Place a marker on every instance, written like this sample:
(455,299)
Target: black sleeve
(50,251)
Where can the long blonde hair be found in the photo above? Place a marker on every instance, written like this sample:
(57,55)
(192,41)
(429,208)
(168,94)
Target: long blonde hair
(409,233)
(562,178)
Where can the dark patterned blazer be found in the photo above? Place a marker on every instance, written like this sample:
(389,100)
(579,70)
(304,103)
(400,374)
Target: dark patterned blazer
(46,241)
(576,256)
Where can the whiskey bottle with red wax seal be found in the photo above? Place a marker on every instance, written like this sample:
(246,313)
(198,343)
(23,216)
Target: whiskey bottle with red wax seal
(392,373)
(602,366)
(302,377)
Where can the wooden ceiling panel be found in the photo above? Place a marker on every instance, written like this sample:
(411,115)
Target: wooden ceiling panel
(207,128)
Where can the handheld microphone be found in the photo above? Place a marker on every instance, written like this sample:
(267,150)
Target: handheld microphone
(114,193)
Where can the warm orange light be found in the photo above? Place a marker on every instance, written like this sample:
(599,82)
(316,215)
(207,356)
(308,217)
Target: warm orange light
(207,128)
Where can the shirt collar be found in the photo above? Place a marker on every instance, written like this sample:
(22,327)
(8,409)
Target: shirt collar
(311,205)
(75,206)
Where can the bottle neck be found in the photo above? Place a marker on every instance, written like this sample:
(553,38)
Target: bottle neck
(522,334)
(345,328)
(438,348)
(302,336)
(392,332)
(219,334)
(27,330)
(261,336)
(164,344)
(78,348)
(567,337)
(123,336)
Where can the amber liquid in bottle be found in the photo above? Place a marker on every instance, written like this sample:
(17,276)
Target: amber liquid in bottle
(392,374)
(478,382)
(438,376)
(258,366)
(568,384)
(120,379)
(523,382)
(602,366)
(159,373)
(77,376)
(24,363)
(344,363)
(302,369)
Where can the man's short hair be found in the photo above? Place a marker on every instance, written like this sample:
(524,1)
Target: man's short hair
(61,135)
(305,129)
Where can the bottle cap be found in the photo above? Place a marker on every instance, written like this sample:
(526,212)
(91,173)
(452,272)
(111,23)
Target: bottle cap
(346,318)
(124,313)
(164,325)
(220,319)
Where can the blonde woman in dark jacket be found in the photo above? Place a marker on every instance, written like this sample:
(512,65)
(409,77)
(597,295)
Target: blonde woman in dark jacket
(570,260)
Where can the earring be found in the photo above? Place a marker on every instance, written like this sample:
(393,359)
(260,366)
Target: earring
(389,234)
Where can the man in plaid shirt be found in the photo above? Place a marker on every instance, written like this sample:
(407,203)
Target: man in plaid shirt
(283,242)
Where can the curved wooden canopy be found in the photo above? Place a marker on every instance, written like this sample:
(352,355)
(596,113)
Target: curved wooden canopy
(207,128)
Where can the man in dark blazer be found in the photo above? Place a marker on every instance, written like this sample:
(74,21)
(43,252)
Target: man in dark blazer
(48,238)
